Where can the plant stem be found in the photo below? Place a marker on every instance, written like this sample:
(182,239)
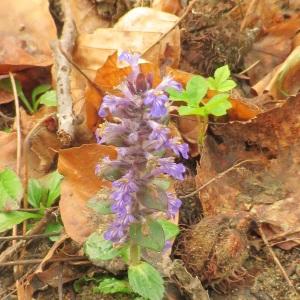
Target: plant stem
(134,254)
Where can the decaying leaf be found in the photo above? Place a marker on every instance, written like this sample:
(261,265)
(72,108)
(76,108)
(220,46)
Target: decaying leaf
(269,147)
(271,50)
(136,31)
(169,6)
(80,183)
(25,35)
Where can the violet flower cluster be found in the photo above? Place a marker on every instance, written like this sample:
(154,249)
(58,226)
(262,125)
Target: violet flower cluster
(143,141)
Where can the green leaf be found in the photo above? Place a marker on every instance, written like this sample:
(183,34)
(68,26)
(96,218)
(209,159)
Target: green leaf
(218,105)
(149,235)
(11,190)
(41,89)
(196,88)
(170,229)
(79,283)
(162,183)
(101,202)
(175,95)
(9,219)
(212,85)
(222,74)
(226,86)
(52,182)
(35,193)
(98,249)
(112,286)
(49,98)
(146,281)
(188,111)
(54,228)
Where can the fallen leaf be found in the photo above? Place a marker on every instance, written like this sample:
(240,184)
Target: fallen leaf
(6,97)
(25,35)
(86,16)
(138,30)
(80,183)
(280,219)
(271,49)
(8,146)
(169,6)
(284,80)
(269,147)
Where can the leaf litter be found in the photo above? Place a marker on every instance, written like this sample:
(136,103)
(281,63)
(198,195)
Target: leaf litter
(245,168)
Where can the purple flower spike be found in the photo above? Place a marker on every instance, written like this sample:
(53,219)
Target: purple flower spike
(142,138)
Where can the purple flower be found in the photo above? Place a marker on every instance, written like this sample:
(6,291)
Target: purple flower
(159,134)
(173,205)
(168,82)
(133,61)
(168,166)
(114,233)
(157,103)
(178,148)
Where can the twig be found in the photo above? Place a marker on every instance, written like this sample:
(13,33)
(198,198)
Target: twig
(28,237)
(218,176)
(249,68)
(284,234)
(39,260)
(19,145)
(275,258)
(66,129)
(188,9)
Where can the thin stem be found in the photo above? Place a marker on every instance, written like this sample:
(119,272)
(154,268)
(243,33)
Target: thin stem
(134,254)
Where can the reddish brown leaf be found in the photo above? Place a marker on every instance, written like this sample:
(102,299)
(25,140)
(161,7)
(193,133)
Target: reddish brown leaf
(79,185)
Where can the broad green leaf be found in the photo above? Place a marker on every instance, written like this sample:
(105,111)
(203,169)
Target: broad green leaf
(49,98)
(226,86)
(149,235)
(170,229)
(212,85)
(54,228)
(112,286)
(162,183)
(188,111)
(41,89)
(218,105)
(52,182)
(196,88)
(9,219)
(35,193)
(11,190)
(175,95)
(98,249)
(146,281)
(221,74)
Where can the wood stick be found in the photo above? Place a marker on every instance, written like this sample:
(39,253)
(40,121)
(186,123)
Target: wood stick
(28,237)
(39,260)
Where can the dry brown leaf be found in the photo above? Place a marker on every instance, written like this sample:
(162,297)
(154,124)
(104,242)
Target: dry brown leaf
(86,16)
(79,184)
(25,35)
(271,49)
(6,97)
(281,219)
(272,141)
(136,31)
(284,80)
(262,13)
(169,6)
(8,146)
